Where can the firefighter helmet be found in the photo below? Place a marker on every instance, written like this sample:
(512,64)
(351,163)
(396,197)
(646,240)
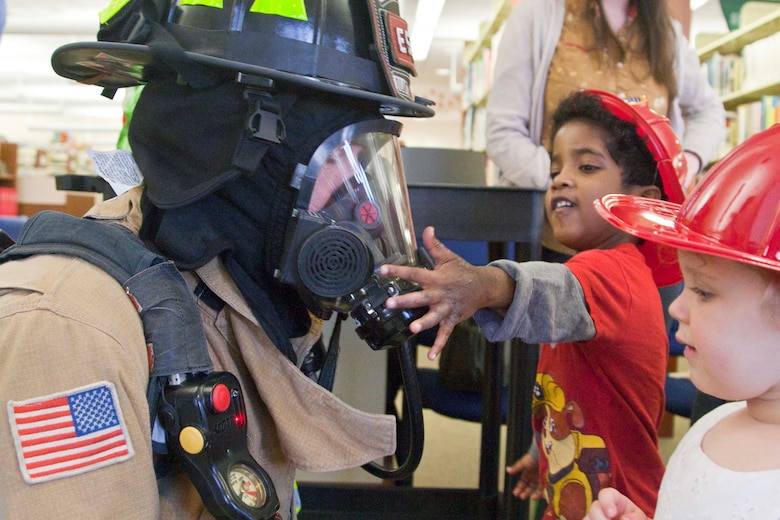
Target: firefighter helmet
(357,48)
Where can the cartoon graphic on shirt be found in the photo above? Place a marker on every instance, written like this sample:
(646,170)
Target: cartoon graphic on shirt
(578,463)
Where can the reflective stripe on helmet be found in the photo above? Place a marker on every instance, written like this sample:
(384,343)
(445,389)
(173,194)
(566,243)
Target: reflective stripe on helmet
(295,10)
(111,9)
(217,4)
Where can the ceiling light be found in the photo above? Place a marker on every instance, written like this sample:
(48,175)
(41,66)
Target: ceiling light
(425,21)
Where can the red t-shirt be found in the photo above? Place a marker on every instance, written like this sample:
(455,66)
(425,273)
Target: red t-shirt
(598,403)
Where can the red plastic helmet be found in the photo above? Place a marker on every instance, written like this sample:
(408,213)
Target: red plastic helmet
(663,143)
(733,213)
(357,48)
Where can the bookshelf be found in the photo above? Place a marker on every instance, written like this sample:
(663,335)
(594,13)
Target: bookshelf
(478,58)
(735,41)
(741,97)
(491,27)
(740,65)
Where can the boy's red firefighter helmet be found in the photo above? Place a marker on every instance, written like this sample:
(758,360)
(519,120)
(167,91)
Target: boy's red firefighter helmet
(733,213)
(663,143)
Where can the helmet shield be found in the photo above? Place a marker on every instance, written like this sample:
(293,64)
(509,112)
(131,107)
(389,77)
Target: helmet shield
(352,216)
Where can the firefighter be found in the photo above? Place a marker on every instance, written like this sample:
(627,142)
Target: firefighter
(244,106)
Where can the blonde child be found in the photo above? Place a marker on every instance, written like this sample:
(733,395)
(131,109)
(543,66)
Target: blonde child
(728,234)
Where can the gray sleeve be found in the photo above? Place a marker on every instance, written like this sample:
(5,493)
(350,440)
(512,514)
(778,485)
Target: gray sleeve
(549,306)
(533,451)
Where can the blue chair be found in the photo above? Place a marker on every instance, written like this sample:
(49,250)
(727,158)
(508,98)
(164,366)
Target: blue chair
(680,392)
(458,404)
(12,225)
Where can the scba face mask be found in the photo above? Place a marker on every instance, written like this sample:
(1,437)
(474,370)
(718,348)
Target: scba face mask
(352,216)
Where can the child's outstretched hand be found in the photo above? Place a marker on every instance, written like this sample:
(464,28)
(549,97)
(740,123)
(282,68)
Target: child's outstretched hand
(453,291)
(612,504)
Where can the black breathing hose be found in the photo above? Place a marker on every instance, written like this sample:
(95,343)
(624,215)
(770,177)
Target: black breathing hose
(411,389)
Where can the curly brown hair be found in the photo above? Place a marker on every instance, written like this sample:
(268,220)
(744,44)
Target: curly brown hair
(624,144)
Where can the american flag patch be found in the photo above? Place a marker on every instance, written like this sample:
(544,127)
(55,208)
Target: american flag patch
(68,433)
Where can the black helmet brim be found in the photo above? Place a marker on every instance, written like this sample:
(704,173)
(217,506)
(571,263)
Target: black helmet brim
(115,65)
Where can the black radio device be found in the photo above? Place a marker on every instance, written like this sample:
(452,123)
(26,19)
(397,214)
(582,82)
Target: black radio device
(205,424)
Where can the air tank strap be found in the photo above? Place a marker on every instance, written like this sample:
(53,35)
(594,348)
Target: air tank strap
(175,339)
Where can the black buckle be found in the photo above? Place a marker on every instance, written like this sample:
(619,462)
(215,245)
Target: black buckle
(265,122)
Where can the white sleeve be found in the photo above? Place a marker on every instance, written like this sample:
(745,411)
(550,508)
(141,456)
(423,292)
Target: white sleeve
(702,112)
(510,140)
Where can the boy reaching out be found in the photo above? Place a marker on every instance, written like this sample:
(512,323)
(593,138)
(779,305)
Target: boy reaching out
(598,316)
(728,234)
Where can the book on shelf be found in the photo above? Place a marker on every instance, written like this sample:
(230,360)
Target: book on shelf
(756,116)
(479,129)
(9,206)
(725,72)
(478,78)
(770,110)
(760,62)
(468,125)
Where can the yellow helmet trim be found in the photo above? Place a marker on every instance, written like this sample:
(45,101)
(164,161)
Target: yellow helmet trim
(289,9)
(216,4)
(113,7)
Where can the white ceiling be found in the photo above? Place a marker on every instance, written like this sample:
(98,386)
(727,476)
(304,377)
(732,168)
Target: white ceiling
(34,28)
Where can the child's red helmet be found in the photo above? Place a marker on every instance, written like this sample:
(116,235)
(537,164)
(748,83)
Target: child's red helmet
(663,143)
(733,213)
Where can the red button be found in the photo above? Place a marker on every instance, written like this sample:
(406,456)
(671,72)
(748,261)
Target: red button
(220,398)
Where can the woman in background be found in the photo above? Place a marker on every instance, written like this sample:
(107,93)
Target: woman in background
(631,48)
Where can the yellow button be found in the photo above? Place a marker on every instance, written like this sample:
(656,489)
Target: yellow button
(191,440)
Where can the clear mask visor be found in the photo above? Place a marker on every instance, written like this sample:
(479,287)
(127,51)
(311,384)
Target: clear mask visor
(352,216)
(357,179)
